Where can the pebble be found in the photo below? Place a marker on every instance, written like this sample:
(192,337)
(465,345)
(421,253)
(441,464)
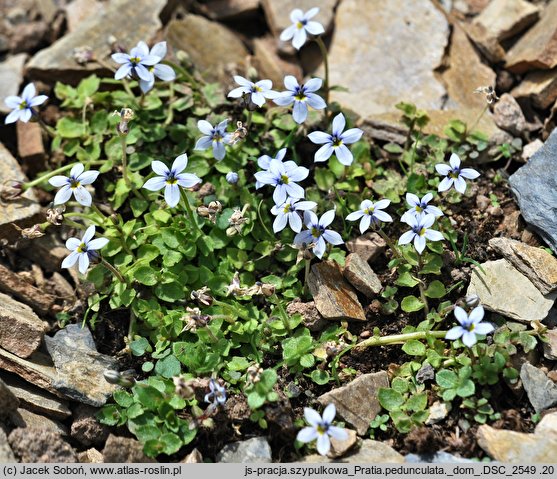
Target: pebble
(541,391)
(255,450)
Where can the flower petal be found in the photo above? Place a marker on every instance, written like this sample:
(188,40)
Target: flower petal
(203,143)
(483,328)
(123,71)
(82,196)
(300,112)
(469,173)
(158,50)
(172,195)
(454,161)
(329,413)
(469,338)
(89,234)
(76,170)
(288,33)
(344,155)
(442,169)
(319,137)
(284,99)
(218,150)
(300,37)
(295,222)
(406,237)
(315,28)
(313,418)
(155,184)
(187,180)
(121,57)
(39,100)
(97,243)
(352,135)
(412,200)
(382,216)
(338,433)
(433,235)
(455,332)
(29,92)
(59,181)
(332,237)
(315,101)
(460,185)
(298,174)
(320,247)
(339,122)
(355,216)
(88,177)
(179,164)
(63,195)
(307,434)
(323,444)
(237,92)
(419,243)
(280,222)
(70,260)
(296,15)
(83,263)
(461,315)
(242,81)
(73,243)
(323,153)
(313,84)
(477,314)
(13,101)
(164,72)
(12,117)
(445,184)
(365,223)
(327,218)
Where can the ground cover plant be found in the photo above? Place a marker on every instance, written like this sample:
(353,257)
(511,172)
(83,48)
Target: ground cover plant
(195,214)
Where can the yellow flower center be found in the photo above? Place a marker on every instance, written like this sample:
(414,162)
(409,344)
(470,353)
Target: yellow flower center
(284,179)
(74,184)
(422,232)
(81,248)
(419,209)
(370,210)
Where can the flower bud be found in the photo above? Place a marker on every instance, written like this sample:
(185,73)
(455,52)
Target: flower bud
(232,177)
(472,300)
(124,379)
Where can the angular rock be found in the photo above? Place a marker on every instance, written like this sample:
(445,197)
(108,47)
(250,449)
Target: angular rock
(8,401)
(222,10)
(505,290)
(116,20)
(124,449)
(255,450)
(334,298)
(542,392)
(501,19)
(270,65)
(311,317)
(340,448)
(194,457)
(35,399)
(440,457)
(537,265)
(357,402)
(508,115)
(518,447)
(358,272)
(437,412)
(86,429)
(21,211)
(211,46)
(550,348)
(537,49)
(277,12)
(15,285)
(535,190)
(80,10)
(79,366)
(90,456)
(369,246)
(11,76)
(539,87)
(21,330)
(414,29)
(30,143)
(40,445)
(530,149)
(370,452)
(47,251)
(27,419)
(6,453)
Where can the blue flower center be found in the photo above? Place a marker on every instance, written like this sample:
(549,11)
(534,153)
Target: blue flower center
(301,24)
(82,248)
(74,183)
(171,179)
(283,180)
(337,141)
(317,231)
(454,173)
(23,105)
(135,61)
(217,136)
(300,93)
(322,428)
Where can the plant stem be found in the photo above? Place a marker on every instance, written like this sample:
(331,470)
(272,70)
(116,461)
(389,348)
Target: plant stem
(189,211)
(390,244)
(238,313)
(170,114)
(47,129)
(73,224)
(282,314)
(421,285)
(471,129)
(262,222)
(325,56)
(125,161)
(399,339)
(248,122)
(306,276)
(113,270)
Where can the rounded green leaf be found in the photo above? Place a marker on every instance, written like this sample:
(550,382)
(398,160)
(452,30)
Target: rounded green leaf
(411,304)
(414,348)
(146,275)
(390,399)
(436,290)
(446,379)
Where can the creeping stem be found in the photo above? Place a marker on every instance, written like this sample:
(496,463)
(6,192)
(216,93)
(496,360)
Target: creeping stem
(306,276)
(113,270)
(323,49)
(421,285)
(398,339)
(125,161)
(390,244)
(189,211)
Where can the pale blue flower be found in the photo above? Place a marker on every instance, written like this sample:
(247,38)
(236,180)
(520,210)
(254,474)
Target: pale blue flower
(255,92)
(301,26)
(215,136)
(418,206)
(321,428)
(83,250)
(420,231)
(301,96)
(171,179)
(317,232)
(137,63)
(22,106)
(74,184)
(470,326)
(159,70)
(232,177)
(264,162)
(336,142)
(283,176)
(371,214)
(287,213)
(217,396)
(455,175)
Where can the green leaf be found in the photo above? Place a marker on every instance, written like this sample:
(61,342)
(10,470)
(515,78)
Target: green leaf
(417,402)
(109,415)
(146,275)
(307,360)
(390,399)
(140,346)
(150,397)
(406,279)
(170,292)
(168,367)
(446,379)
(171,443)
(123,398)
(68,127)
(414,348)
(435,290)
(89,86)
(324,178)
(466,388)
(411,304)
(320,377)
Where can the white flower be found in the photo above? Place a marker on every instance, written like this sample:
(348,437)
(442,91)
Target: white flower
(455,175)
(264,162)
(336,142)
(232,177)
(371,214)
(317,232)
(301,96)
(301,26)
(23,105)
(288,213)
(283,176)
(74,184)
(217,396)
(159,70)
(321,428)
(257,92)
(418,206)
(83,250)
(171,179)
(420,232)
(136,63)
(470,326)
(216,137)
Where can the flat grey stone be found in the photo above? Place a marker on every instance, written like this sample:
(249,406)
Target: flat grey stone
(6,453)
(357,402)
(440,457)
(550,348)
(11,76)
(8,401)
(79,366)
(360,275)
(535,190)
(27,419)
(21,330)
(255,450)
(505,290)
(541,391)
(40,445)
(370,452)
(124,449)
(369,246)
